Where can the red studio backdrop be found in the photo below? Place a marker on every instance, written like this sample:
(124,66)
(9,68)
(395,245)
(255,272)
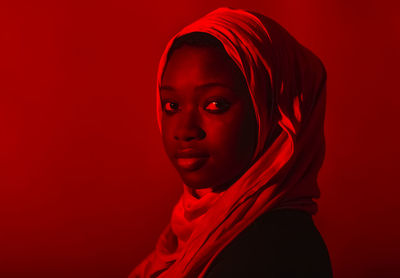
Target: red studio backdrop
(85,186)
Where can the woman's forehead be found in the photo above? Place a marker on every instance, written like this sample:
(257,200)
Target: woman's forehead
(200,67)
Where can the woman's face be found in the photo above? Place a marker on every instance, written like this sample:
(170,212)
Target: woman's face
(209,127)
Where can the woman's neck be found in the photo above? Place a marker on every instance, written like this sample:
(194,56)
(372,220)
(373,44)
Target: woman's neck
(198,193)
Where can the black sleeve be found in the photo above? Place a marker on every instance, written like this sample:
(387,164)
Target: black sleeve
(282,243)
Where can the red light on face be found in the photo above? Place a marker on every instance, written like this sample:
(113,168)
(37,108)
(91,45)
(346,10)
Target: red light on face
(206,112)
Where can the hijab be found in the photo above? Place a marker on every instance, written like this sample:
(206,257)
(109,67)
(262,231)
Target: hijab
(283,173)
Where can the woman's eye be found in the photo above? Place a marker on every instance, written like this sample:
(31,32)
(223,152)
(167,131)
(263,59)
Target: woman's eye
(217,106)
(171,106)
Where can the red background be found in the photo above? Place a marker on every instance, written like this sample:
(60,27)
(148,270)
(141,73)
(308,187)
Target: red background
(85,187)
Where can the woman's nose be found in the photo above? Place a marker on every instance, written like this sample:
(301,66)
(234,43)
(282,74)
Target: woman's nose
(189,127)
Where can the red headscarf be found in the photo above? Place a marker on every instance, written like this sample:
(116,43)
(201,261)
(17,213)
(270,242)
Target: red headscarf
(283,175)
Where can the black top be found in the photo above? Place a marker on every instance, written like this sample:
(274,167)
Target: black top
(281,243)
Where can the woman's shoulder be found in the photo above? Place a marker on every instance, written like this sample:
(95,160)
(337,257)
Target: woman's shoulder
(280,243)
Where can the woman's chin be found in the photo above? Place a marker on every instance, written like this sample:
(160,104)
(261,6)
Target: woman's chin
(196,180)
(199,183)
(195,184)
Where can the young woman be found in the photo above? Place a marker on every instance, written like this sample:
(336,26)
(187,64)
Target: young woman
(241,111)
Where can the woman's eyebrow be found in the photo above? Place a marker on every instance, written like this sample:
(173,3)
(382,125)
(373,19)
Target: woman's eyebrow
(209,85)
(200,87)
(167,88)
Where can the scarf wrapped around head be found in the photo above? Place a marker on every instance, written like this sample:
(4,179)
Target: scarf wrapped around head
(282,175)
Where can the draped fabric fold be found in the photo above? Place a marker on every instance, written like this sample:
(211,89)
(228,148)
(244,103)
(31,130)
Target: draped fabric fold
(287,84)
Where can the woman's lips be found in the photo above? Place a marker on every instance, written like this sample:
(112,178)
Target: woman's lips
(191,163)
(191,159)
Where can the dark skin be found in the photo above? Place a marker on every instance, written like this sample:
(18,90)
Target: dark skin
(207,108)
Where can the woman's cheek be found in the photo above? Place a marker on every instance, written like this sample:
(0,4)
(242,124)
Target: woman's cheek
(167,136)
(224,135)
